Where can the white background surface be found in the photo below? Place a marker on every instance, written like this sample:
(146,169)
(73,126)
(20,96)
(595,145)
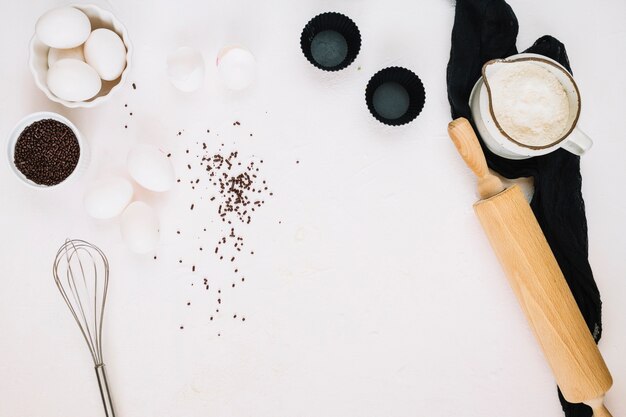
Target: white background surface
(376,295)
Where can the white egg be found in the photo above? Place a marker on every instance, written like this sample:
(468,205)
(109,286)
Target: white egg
(107,198)
(63,27)
(236,67)
(55,54)
(139,226)
(150,167)
(73,80)
(185,68)
(106,53)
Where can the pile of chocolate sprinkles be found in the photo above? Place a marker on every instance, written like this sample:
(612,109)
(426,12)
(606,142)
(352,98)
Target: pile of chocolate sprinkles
(238,190)
(46,152)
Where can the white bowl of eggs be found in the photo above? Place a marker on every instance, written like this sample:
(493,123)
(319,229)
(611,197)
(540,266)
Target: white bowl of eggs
(80,55)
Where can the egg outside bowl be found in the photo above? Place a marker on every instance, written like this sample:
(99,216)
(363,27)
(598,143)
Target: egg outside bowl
(38,58)
(83,159)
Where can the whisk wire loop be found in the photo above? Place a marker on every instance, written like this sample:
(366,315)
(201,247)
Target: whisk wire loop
(81,273)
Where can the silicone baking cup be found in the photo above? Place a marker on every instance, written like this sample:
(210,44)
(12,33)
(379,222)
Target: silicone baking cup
(395,96)
(330,41)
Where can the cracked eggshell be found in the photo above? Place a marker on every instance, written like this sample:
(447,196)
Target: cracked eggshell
(185,69)
(236,67)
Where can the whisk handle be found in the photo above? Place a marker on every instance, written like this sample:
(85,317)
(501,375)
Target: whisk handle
(104,391)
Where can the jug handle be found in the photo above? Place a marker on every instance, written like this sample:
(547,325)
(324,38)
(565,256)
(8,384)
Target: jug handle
(577,142)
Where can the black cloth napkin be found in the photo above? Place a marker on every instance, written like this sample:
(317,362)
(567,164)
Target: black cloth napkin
(485,30)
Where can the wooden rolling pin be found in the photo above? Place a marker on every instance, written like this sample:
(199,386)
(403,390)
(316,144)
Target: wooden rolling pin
(536,279)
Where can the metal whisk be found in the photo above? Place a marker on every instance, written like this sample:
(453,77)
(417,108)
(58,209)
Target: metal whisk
(81,272)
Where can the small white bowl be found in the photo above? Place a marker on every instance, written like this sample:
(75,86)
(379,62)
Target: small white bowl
(83,159)
(38,59)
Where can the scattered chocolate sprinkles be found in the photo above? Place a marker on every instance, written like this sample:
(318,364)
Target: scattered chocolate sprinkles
(228,190)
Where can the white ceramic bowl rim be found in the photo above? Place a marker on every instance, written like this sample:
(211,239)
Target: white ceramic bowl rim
(120,29)
(19,128)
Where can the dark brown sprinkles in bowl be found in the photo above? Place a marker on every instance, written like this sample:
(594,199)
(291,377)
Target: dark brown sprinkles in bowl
(46,152)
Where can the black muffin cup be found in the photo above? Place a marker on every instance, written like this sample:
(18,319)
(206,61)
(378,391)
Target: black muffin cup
(407,79)
(339,23)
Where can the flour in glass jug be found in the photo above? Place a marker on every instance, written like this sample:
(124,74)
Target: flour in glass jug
(529,103)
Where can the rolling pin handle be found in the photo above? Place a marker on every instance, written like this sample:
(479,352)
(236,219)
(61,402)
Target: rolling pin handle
(597,405)
(462,134)
(601,412)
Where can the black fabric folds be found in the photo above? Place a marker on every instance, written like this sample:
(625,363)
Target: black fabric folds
(487,29)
